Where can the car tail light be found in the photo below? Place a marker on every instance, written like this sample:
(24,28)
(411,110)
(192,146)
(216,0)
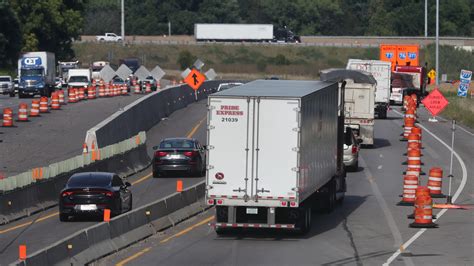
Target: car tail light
(67,193)
(190,153)
(354,149)
(160,154)
(108,193)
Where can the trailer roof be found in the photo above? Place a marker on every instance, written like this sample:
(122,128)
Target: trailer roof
(276,88)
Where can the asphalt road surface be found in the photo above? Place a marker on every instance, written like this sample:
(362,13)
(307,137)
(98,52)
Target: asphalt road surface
(368,229)
(36,231)
(54,136)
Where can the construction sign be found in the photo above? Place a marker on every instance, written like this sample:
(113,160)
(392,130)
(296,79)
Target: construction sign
(435,102)
(195,79)
(432,75)
(400,54)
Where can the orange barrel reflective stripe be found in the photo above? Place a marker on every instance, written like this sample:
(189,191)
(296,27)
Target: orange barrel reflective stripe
(410,184)
(409,113)
(435,178)
(7,117)
(23,112)
(55,105)
(413,138)
(35,105)
(412,171)
(44,105)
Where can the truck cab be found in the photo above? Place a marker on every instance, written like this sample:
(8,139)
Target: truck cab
(419,79)
(36,71)
(79,78)
(32,80)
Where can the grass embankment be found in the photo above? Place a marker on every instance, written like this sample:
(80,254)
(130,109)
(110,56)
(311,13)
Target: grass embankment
(459,108)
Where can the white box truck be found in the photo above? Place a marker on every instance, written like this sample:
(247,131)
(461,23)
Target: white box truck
(274,153)
(381,71)
(79,78)
(359,100)
(37,74)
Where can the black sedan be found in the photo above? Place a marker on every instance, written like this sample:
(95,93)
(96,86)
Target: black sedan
(179,155)
(92,192)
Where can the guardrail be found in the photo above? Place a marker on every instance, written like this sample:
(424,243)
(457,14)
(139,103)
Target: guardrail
(105,238)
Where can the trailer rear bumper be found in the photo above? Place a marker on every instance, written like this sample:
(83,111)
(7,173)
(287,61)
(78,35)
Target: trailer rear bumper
(251,225)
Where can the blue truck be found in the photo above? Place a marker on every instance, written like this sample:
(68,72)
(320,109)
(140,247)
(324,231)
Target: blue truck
(36,73)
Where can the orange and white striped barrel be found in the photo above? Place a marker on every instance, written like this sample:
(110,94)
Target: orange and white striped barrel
(82,95)
(124,89)
(107,89)
(409,123)
(423,209)
(414,159)
(44,105)
(413,146)
(35,105)
(416,130)
(61,97)
(91,91)
(137,88)
(435,180)
(413,137)
(55,105)
(23,112)
(72,95)
(101,91)
(7,117)
(148,87)
(410,113)
(410,184)
(158,85)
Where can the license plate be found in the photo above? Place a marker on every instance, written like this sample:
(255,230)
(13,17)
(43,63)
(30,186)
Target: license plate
(252,211)
(88,207)
(175,156)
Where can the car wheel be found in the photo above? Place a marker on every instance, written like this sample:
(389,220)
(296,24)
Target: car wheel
(12,94)
(21,95)
(63,217)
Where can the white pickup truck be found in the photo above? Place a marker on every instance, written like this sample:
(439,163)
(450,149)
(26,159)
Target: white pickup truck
(108,37)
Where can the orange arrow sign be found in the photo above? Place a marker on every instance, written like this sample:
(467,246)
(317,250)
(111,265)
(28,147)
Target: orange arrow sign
(195,79)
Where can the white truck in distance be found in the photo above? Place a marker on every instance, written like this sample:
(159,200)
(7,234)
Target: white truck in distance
(274,153)
(359,100)
(108,37)
(79,78)
(381,71)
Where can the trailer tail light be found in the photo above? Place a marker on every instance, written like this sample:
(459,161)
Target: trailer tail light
(283,203)
(354,149)
(210,202)
(293,204)
(220,202)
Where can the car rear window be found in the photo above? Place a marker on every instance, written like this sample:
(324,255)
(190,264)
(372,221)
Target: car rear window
(348,138)
(176,143)
(89,181)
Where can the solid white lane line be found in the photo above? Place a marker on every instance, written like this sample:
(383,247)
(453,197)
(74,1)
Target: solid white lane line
(455,196)
(397,236)
(465,130)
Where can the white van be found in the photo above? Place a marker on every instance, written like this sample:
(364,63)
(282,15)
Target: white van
(79,78)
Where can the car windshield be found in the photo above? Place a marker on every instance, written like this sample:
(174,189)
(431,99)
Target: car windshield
(176,143)
(78,79)
(118,80)
(90,180)
(3,79)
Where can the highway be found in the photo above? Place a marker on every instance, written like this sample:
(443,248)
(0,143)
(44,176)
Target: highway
(36,232)
(57,135)
(368,229)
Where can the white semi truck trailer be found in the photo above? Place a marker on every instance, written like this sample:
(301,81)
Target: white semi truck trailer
(274,153)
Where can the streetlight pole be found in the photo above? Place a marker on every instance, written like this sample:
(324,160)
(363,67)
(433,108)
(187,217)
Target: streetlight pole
(437,43)
(123,22)
(426,18)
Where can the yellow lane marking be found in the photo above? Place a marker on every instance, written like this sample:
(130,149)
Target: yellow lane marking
(28,223)
(180,233)
(190,134)
(142,179)
(136,255)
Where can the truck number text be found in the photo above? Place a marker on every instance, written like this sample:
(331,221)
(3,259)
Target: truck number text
(229,119)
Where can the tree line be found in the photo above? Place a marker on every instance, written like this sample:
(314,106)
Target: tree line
(53,25)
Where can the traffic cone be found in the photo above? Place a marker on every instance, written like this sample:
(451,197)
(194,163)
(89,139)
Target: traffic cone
(84,148)
(410,184)
(423,210)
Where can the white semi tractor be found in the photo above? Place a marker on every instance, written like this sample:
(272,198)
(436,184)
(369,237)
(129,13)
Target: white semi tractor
(381,71)
(274,153)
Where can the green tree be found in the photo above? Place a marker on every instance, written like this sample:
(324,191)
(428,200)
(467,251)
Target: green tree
(10,35)
(219,11)
(49,25)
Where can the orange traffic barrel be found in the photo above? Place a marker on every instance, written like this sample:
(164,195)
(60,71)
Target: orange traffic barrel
(7,117)
(148,88)
(61,97)
(72,95)
(91,92)
(44,105)
(137,88)
(414,98)
(409,113)
(413,146)
(158,85)
(413,137)
(423,211)
(55,105)
(124,89)
(410,184)
(23,112)
(34,111)
(81,94)
(107,89)
(101,91)
(435,178)
(416,130)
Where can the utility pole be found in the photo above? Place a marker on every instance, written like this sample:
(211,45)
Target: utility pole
(169,28)
(426,18)
(437,43)
(123,22)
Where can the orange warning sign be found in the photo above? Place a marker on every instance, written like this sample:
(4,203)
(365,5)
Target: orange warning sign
(400,54)
(435,102)
(195,79)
